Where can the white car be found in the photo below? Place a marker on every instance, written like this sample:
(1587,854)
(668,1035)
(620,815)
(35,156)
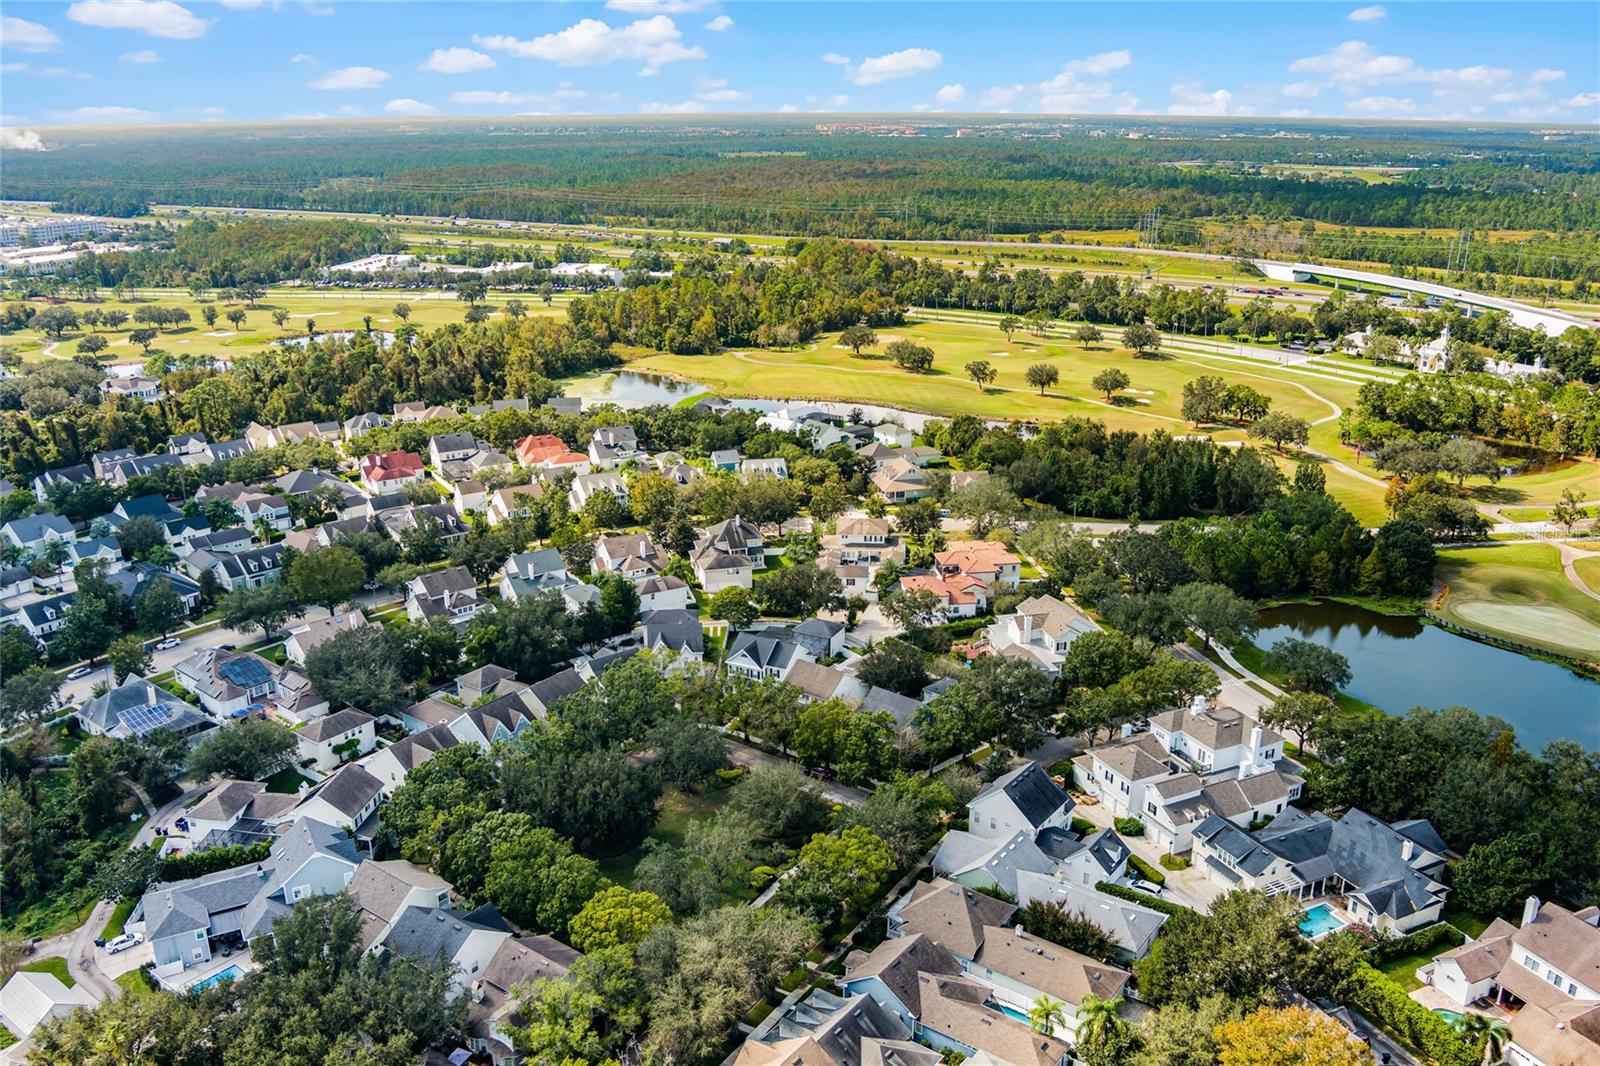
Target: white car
(82,671)
(124,942)
(1149,888)
(168,644)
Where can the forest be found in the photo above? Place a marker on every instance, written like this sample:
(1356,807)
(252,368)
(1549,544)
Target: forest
(784,176)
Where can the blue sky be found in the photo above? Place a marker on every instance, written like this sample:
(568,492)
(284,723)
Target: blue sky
(128,61)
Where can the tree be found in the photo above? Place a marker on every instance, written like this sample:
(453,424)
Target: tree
(1490,1033)
(857,337)
(515,309)
(1100,1022)
(264,607)
(781,802)
(1009,324)
(18,650)
(1111,381)
(248,751)
(1086,334)
(93,344)
(1052,920)
(1204,399)
(484,550)
(1245,949)
(1181,1035)
(402,311)
(128,655)
(1308,666)
(1288,1036)
(907,355)
(988,503)
(1043,376)
(55,320)
(981,371)
(279,317)
(143,337)
(615,917)
(686,752)
(1216,611)
(1569,510)
(159,609)
(91,625)
(837,873)
(896,666)
(472,290)
(236,317)
(363,667)
(913,608)
(595,798)
(535,879)
(799,591)
(326,577)
(1303,712)
(1142,339)
(92,785)
(1496,876)
(1046,1015)
(735,606)
(128,875)
(1280,428)
(27,694)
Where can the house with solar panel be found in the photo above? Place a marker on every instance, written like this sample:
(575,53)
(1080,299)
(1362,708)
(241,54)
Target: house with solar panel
(229,684)
(136,707)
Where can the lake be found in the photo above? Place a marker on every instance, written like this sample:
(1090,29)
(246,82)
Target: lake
(1399,663)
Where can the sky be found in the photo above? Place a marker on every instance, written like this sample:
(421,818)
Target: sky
(105,62)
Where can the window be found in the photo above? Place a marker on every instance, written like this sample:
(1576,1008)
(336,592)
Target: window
(199,934)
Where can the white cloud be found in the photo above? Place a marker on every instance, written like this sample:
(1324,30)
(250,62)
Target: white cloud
(1368,14)
(44,72)
(158,18)
(1191,98)
(1100,64)
(1356,64)
(953,93)
(351,78)
(506,98)
(104,116)
(721,96)
(20,140)
(1000,95)
(842,100)
(895,65)
(720,24)
(302,57)
(1582,100)
(592,43)
(143,55)
(242,5)
(1518,96)
(13,68)
(1301,90)
(305,116)
(1382,106)
(836,59)
(686,107)
(1545,74)
(316,10)
(1294,112)
(787,109)
(208,112)
(407,106)
(456,61)
(25,36)
(657,7)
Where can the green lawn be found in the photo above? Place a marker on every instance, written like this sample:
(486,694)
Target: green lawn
(137,982)
(119,918)
(677,810)
(1520,592)
(54,964)
(1471,924)
(1403,971)
(1589,570)
(288,781)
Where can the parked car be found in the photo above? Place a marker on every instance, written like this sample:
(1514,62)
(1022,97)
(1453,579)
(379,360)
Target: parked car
(226,647)
(82,671)
(1149,888)
(124,942)
(168,644)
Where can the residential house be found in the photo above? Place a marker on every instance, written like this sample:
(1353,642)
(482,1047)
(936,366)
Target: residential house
(467,941)
(677,634)
(899,481)
(387,470)
(1019,968)
(451,594)
(1547,969)
(447,524)
(325,742)
(307,635)
(347,799)
(726,459)
(1025,799)
(663,592)
(893,435)
(18,580)
(150,505)
(1390,874)
(382,889)
(988,561)
(534,450)
(29,999)
(490,680)
(760,469)
(300,482)
(633,555)
(36,532)
(543,695)
(236,812)
(391,764)
(363,424)
(476,466)
(565,405)
(447,446)
(817,682)
(140,466)
(516,403)
(517,963)
(586,485)
(821,638)
(246,569)
(217,542)
(296,700)
(949,915)
(728,553)
(42,619)
(611,446)
(106,550)
(105,463)
(921,455)
(62,478)
(228,683)
(137,707)
(468,497)
(134,579)
(137,388)
(1040,630)
(762,653)
(1131,926)
(958,595)
(826,1030)
(531,573)
(415,412)
(515,501)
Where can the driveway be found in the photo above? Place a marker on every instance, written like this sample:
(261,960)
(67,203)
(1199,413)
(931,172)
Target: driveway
(1190,887)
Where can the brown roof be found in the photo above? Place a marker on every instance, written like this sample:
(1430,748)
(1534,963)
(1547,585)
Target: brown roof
(955,1006)
(1216,727)
(1051,968)
(898,961)
(952,915)
(1137,758)
(1566,941)
(818,682)
(1483,957)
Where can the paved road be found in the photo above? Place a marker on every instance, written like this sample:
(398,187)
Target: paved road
(743,755)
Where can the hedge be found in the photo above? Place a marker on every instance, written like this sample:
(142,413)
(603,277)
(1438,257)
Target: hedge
(200,863)
(1374,994)
(1427,941)
(1155,903)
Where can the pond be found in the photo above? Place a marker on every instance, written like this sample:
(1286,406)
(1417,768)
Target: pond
(1398,663)
(630,388)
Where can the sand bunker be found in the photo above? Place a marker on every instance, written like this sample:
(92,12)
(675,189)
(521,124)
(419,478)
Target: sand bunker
(220,333)
(1555,625)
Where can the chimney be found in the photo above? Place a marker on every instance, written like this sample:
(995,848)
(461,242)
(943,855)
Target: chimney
(1027,628)
(1127,730)
(1407,849)
(1255,741)
(1530,911)
(1021,933)
(1197,705)
(1245,766)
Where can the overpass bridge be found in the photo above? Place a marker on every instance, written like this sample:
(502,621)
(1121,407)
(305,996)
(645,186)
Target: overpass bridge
(1527,316)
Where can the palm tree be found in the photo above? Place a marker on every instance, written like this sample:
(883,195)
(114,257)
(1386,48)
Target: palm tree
(1098,1019)
(1046,1015)
(1492,1032)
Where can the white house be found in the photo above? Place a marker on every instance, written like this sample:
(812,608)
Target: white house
(346,800)
(1042,628)
(447,446)
(728,553)
(585,486)
(228,683)
(663,592)
(308,635)
(35,533)
(335,738)
(451,594)
(28,1000)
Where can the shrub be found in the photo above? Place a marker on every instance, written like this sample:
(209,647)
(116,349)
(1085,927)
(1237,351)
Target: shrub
(1146,871)
(1176,862)
(1429,941)
(1129,827)
(1155,903)
(200,863)
(1082,826)
(1427,1032)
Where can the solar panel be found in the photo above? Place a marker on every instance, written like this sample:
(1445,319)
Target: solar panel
(245,672)
(142,720)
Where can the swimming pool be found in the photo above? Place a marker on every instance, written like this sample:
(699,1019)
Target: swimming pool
(232,973)
(1452,1016)
(1320,921)
(1012,1012)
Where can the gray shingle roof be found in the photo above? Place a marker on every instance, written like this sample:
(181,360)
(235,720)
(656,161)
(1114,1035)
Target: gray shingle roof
(1029,787)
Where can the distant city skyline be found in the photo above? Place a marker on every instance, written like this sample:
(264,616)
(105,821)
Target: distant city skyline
(114,62)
